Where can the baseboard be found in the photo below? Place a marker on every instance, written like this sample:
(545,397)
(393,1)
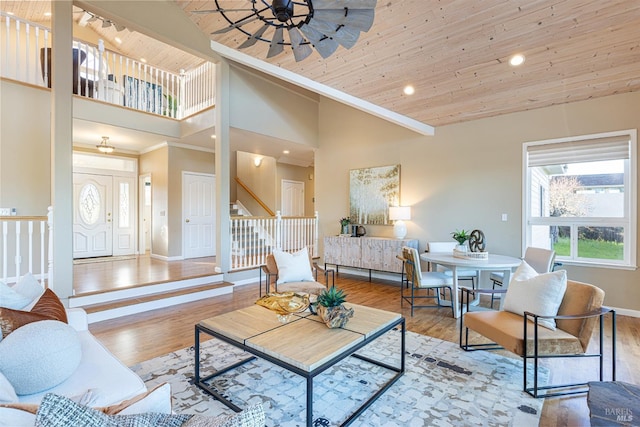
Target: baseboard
(626,312)
(365,273)
(166,258)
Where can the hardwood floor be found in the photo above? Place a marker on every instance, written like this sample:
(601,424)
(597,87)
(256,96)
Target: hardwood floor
(144,336)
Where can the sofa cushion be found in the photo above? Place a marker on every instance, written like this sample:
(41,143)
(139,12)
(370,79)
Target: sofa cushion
(7,392)
(293,267)
(30,288)
(10,298)
(39,356)
(539,294)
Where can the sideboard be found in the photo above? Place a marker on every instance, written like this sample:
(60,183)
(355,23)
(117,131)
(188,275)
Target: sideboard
(370,253)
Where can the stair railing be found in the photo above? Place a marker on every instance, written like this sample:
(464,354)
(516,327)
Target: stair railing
(255,197)
(254,238)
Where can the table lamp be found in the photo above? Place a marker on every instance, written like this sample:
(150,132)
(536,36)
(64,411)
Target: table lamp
(399,214)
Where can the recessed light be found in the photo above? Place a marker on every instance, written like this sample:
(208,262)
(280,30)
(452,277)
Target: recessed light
(144,61)
(47,14)
(285,152)
(409,90)
(213,137)
(517,59)
(118,40)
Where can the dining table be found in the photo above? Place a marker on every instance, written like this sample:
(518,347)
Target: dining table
(492,262)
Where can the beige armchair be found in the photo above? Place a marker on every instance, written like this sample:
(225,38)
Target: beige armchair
(306,286)
(577,316)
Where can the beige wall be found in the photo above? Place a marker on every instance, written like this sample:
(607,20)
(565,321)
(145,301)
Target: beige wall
(261,181)
(466,175)
(156,164)
(25,165)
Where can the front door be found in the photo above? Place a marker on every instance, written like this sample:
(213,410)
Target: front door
(92,215)
(199,231)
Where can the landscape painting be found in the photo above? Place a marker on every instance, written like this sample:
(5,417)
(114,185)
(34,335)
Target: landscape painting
(371,192)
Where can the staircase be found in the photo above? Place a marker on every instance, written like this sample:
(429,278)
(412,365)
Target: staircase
(246,240)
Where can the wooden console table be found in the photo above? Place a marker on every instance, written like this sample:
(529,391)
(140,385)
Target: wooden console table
(369,253)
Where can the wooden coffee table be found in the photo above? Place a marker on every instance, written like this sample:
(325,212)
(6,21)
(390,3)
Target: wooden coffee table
(304,345)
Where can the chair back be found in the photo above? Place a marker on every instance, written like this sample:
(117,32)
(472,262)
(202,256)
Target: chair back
(272,266)
(580,298)
(441,246)
(412,261)
(540,259)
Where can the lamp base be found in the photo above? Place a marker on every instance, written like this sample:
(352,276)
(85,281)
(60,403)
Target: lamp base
(399,229)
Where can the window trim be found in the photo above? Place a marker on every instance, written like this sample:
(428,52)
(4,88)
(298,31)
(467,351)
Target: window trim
(631,206)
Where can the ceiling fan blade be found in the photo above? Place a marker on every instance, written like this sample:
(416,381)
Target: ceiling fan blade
(254,37)
(360,19)
(239,23)
(300,51)
(323,44)
(341,4)
(277,43)
(347,37)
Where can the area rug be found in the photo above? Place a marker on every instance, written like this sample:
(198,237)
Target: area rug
(442,386)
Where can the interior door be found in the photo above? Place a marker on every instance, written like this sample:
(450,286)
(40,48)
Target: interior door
(199,231)
(292,198)
(92,215)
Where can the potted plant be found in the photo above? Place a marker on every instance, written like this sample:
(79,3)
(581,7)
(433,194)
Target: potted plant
(330,308)
(344,225)
(461,236)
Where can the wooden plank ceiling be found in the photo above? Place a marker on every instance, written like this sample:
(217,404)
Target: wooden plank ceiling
(455,53)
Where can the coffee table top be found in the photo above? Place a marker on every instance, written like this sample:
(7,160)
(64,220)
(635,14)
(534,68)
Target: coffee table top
(305,341)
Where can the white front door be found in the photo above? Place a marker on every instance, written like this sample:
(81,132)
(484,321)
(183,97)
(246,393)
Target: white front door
(198,201)
(124,215)
(292,198)
(92,215)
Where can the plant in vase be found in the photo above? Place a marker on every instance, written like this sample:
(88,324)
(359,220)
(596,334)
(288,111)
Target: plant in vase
(330,308)
(461,236)
(344,225)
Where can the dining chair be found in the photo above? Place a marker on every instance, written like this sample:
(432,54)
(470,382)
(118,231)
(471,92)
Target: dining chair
(463,273)
(413,277)
(542,261)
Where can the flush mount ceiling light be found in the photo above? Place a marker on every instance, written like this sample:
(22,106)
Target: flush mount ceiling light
(104,146)
(409,90)
(323,24)
(517,59)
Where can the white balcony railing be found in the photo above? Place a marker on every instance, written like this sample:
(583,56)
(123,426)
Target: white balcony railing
(105,75)
(253,238)
(26,247)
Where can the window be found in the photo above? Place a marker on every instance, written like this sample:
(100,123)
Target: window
(580,198)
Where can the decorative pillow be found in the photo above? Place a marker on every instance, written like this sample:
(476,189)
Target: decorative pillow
(253,416)
(40,355)
(541,294)
(9,298)
(293,267)
(29,287)
(7,393)
(49,305)
(10,320)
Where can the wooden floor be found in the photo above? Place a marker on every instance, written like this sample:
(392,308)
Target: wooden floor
(144,336)
(104,274)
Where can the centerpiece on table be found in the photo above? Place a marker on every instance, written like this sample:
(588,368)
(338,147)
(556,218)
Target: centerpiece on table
(461,236)
(330,308)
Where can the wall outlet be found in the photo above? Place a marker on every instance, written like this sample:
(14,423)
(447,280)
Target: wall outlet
(5,211)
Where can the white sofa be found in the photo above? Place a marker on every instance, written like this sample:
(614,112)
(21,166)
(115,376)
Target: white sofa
(109,380)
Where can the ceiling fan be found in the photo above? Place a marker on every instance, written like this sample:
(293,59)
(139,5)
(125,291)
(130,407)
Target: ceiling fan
(323,24)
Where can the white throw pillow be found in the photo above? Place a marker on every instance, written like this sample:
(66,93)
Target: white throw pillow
(29,287)
(540,294)
(293,267)
(9,298)
(40,355)
(7,393)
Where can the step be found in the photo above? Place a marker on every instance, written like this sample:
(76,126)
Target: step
(142,289)
(152,301)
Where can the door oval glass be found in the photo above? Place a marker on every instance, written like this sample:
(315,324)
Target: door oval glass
(89,204)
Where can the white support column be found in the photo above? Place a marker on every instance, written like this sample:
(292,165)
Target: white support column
(61,146)
(223,160)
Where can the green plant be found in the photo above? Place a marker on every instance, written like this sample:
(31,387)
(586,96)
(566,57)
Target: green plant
(331,297)
(460,236)
(345,221)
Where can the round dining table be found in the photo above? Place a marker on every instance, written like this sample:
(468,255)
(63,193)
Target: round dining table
(492,263)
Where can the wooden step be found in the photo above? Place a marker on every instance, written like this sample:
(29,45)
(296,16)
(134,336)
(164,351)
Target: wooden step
(154,300)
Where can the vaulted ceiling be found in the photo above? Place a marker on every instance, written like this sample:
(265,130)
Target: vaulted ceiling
(454,52)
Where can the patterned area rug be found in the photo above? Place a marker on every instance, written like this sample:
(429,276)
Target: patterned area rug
(442,386)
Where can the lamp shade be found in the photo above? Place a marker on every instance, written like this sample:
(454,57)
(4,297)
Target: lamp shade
(399,213)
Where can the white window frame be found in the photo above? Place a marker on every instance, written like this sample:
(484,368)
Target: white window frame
(629,221)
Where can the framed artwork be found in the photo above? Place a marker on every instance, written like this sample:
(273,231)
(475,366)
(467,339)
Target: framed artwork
(142,95)
(371,192)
